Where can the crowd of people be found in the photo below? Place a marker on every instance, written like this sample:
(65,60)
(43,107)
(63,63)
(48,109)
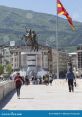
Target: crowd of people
(46,79)
(19,81)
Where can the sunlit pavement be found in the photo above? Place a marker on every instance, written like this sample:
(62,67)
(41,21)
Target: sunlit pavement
(42,97)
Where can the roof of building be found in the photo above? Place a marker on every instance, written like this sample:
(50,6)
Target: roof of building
(73,53)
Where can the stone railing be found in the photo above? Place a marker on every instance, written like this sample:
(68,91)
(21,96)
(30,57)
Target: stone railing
(6,87)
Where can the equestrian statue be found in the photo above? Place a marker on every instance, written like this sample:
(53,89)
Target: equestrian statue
(32,37)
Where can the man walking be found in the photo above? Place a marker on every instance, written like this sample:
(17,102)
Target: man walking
(70,77)
(18,83)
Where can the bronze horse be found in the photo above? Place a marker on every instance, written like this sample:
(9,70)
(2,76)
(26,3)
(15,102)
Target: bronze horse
(31,36)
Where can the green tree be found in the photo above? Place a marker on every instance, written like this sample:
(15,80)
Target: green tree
(1,69)
(9,68)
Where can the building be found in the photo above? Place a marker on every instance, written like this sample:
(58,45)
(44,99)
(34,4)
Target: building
(79,58)
(1,55)
(22,57)
(73,59)
(6,56)
(62,60)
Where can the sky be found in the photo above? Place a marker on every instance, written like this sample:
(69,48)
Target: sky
(74,7)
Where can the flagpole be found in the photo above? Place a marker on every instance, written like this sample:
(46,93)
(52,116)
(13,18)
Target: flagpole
(57,56)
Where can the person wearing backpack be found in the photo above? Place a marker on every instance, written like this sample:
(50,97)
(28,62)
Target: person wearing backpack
(18,83)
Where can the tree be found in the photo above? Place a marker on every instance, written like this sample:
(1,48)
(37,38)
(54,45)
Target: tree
(1,69)
(9,68)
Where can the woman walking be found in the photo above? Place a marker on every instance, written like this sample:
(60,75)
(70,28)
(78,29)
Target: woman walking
(18,83)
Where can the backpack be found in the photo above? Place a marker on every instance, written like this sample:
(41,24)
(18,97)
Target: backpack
(18,81)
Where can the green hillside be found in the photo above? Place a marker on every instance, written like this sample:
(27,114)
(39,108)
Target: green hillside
(13,22)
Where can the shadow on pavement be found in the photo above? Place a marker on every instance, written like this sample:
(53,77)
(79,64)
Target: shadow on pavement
(27,98)
(78,91)
(6,99)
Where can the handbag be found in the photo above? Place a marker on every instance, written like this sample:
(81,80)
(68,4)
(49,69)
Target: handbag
(75,84)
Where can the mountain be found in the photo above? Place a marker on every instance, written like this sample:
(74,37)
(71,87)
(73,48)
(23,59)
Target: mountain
(13,22)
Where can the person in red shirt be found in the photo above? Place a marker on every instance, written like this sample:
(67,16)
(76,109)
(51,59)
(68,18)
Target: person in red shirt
(18,83)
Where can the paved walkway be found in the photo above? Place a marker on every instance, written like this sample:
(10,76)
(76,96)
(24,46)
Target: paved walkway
(41,97)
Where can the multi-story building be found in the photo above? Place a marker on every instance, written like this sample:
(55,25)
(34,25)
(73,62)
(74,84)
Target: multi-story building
(15,60)
(23,57)
(45,58)
(73,59)
(79,58)
(6,56)
(1,55)
(62,57)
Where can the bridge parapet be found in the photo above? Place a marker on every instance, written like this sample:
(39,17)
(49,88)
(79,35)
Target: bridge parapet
(6,87)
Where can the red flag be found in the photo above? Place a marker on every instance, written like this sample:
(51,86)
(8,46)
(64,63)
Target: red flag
(62,11)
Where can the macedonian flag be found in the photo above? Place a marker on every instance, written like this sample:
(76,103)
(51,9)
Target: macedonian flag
(62,11)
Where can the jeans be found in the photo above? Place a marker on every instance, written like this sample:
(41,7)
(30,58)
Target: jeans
(70,85)
(18,91)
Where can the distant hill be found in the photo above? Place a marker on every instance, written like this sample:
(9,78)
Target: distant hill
(13,22)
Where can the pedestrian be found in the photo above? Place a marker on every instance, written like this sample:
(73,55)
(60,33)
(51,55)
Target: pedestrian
(40,81)
(50,79)
(46,79)
(18,83)
(70,77)
(27,82)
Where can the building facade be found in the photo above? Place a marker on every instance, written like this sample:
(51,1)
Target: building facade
(45,58)
(62,57)
(73,59)
(23,57)
(79,58)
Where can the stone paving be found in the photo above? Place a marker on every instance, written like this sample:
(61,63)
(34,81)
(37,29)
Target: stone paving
(42,97)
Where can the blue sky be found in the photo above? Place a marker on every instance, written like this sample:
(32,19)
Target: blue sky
(74,7)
